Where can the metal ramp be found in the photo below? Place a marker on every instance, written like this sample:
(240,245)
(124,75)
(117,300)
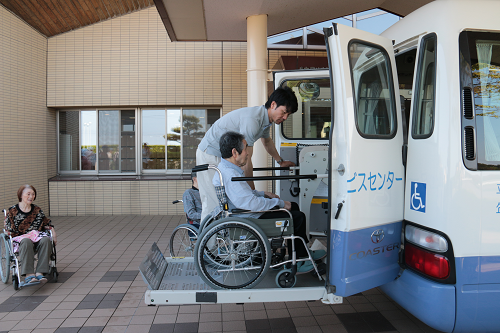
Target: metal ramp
(176,281)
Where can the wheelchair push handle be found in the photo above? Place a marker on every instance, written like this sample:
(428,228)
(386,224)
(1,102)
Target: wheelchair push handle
(201,167)
(204,167)
(176,201)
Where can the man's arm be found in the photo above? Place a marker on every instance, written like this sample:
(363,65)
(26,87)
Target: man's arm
(248,168)
(271,150)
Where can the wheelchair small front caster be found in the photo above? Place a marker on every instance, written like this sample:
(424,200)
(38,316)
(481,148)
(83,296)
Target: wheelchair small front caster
(15,282)
(285,279)
(54,274)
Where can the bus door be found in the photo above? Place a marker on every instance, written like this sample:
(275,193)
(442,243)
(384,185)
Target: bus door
(303,139)
(367,174)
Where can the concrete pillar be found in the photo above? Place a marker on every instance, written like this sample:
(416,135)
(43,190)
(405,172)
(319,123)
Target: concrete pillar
(257,81)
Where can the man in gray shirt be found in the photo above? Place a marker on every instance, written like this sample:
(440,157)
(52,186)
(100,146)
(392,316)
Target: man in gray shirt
(254,123)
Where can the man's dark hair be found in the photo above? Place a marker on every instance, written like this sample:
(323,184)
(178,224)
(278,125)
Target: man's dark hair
(230,140)
(283,96)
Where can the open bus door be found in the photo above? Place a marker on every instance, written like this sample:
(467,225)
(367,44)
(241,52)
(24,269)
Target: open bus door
(366,170)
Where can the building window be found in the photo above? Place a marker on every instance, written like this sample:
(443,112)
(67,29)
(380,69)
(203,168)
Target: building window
(105,141)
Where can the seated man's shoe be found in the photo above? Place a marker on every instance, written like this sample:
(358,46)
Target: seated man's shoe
(304,266)
(318,254)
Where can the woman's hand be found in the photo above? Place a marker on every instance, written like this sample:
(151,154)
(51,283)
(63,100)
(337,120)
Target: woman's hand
(54,236)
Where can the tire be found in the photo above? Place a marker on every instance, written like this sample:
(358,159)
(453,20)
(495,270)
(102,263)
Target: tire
(55,275)
(183,241)
(232,253)
(15,282)
(5,258)
(285,279)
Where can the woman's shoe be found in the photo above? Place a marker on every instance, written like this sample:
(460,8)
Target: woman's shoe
(29,281)
(41,278)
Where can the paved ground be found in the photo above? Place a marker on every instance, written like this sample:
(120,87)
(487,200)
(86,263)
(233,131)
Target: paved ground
(100,290)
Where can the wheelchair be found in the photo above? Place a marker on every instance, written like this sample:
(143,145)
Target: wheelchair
(236,252)
(10,262)
(183,238)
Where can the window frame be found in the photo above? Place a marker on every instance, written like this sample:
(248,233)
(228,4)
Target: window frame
(391,91)
(416,87)
(138,141)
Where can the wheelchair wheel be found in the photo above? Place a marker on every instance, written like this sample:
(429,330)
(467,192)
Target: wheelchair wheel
(5,258)
(232,253)
(285,279)
(183,241)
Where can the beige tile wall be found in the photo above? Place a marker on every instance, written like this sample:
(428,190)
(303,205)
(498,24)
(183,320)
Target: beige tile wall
(81,198)
(130,60)
(27,127)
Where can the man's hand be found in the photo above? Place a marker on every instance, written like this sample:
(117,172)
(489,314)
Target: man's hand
(288,205)
(270,195)
(287,164)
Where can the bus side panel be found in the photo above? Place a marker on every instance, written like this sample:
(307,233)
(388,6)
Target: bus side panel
(431,302)
(478,294)
(364,259)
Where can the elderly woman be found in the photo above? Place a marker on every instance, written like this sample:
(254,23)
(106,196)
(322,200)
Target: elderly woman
(29,227)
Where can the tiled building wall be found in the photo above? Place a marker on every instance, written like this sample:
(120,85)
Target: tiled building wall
(83,198)
(27,146)
(130,61)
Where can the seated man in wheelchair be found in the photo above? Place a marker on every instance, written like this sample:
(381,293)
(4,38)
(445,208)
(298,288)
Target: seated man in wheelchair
(233,147)
(30,231)
(192,202)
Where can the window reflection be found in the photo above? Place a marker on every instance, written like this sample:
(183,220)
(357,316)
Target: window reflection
(194,124)
(373,91)
(88,148)
(173,139)
(313,118)
(153,139)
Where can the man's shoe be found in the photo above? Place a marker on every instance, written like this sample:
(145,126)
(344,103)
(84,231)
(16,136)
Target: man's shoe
(304,266)
(317,254)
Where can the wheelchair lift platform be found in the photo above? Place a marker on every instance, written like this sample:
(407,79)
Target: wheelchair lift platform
(174,281)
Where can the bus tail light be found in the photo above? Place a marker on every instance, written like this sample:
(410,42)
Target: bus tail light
(426,262)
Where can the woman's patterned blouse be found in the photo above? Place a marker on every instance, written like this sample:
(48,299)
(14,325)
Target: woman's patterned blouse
(20,223)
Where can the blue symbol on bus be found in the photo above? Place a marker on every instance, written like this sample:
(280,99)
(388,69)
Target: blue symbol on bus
(417,201)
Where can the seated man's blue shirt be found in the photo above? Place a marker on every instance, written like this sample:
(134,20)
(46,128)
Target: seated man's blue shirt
(192,204)
(240,195)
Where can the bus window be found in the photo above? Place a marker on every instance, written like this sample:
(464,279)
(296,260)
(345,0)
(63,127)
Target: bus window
(373,89)
(313,118)
(484,83)
(423,113)
(405,64)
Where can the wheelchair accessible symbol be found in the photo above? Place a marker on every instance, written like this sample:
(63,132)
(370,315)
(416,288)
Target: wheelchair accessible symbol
(417,201)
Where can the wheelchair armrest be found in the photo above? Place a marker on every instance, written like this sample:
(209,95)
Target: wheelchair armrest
(237,211)
(275,209)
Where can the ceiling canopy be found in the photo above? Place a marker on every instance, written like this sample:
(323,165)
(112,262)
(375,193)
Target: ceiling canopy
(203,20)
(52,17)
(225,20)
